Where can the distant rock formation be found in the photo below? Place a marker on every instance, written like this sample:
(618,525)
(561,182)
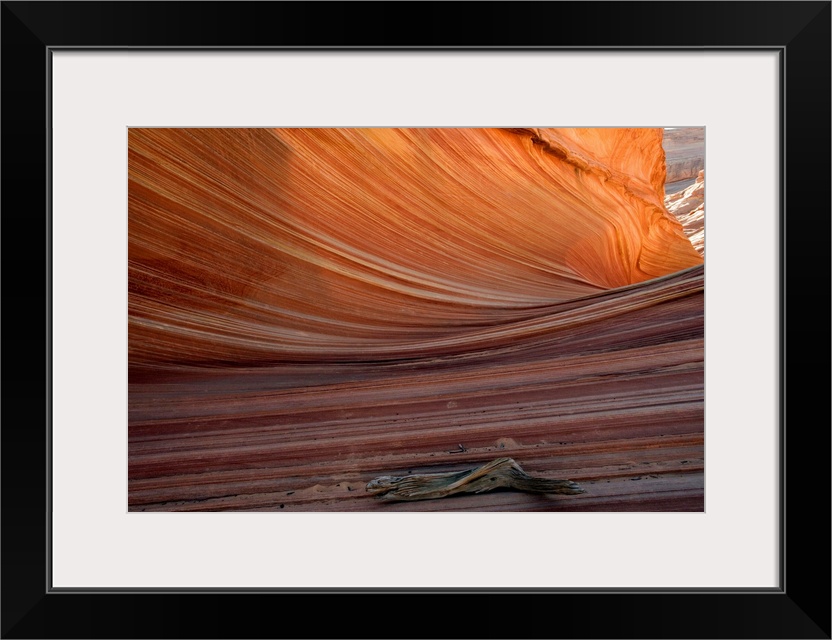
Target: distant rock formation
(688,205)
(684,152)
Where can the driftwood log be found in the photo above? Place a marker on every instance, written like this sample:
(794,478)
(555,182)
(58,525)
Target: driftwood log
(502,472)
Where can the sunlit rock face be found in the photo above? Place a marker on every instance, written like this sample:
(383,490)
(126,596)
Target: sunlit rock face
(251,247)
(688,205)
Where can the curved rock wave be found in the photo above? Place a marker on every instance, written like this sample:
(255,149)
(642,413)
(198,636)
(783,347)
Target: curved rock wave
(310,309)
(613,400)
(259,246)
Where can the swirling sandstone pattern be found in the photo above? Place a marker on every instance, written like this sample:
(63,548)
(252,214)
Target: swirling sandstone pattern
(258,246)
(312,308)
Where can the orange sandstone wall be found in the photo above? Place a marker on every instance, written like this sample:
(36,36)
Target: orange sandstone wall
(260,246)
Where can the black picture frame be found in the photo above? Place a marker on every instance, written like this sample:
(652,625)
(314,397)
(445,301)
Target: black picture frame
(799,31)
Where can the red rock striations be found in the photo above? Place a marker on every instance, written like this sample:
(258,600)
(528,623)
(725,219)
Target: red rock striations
(255,246)
(313,308)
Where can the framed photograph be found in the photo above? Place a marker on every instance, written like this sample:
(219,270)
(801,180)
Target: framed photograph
(320,310)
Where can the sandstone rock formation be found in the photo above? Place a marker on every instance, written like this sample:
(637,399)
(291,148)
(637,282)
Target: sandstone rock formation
(607,393)
(255,246)
(688,205)
(311,309)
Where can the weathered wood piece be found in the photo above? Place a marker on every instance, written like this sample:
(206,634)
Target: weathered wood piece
(502,472)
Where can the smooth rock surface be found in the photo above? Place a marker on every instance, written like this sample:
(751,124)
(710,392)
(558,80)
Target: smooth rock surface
(257,246)
(310,309)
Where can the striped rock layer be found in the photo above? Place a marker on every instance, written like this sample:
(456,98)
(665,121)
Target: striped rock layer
(263,246)
(313,308)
